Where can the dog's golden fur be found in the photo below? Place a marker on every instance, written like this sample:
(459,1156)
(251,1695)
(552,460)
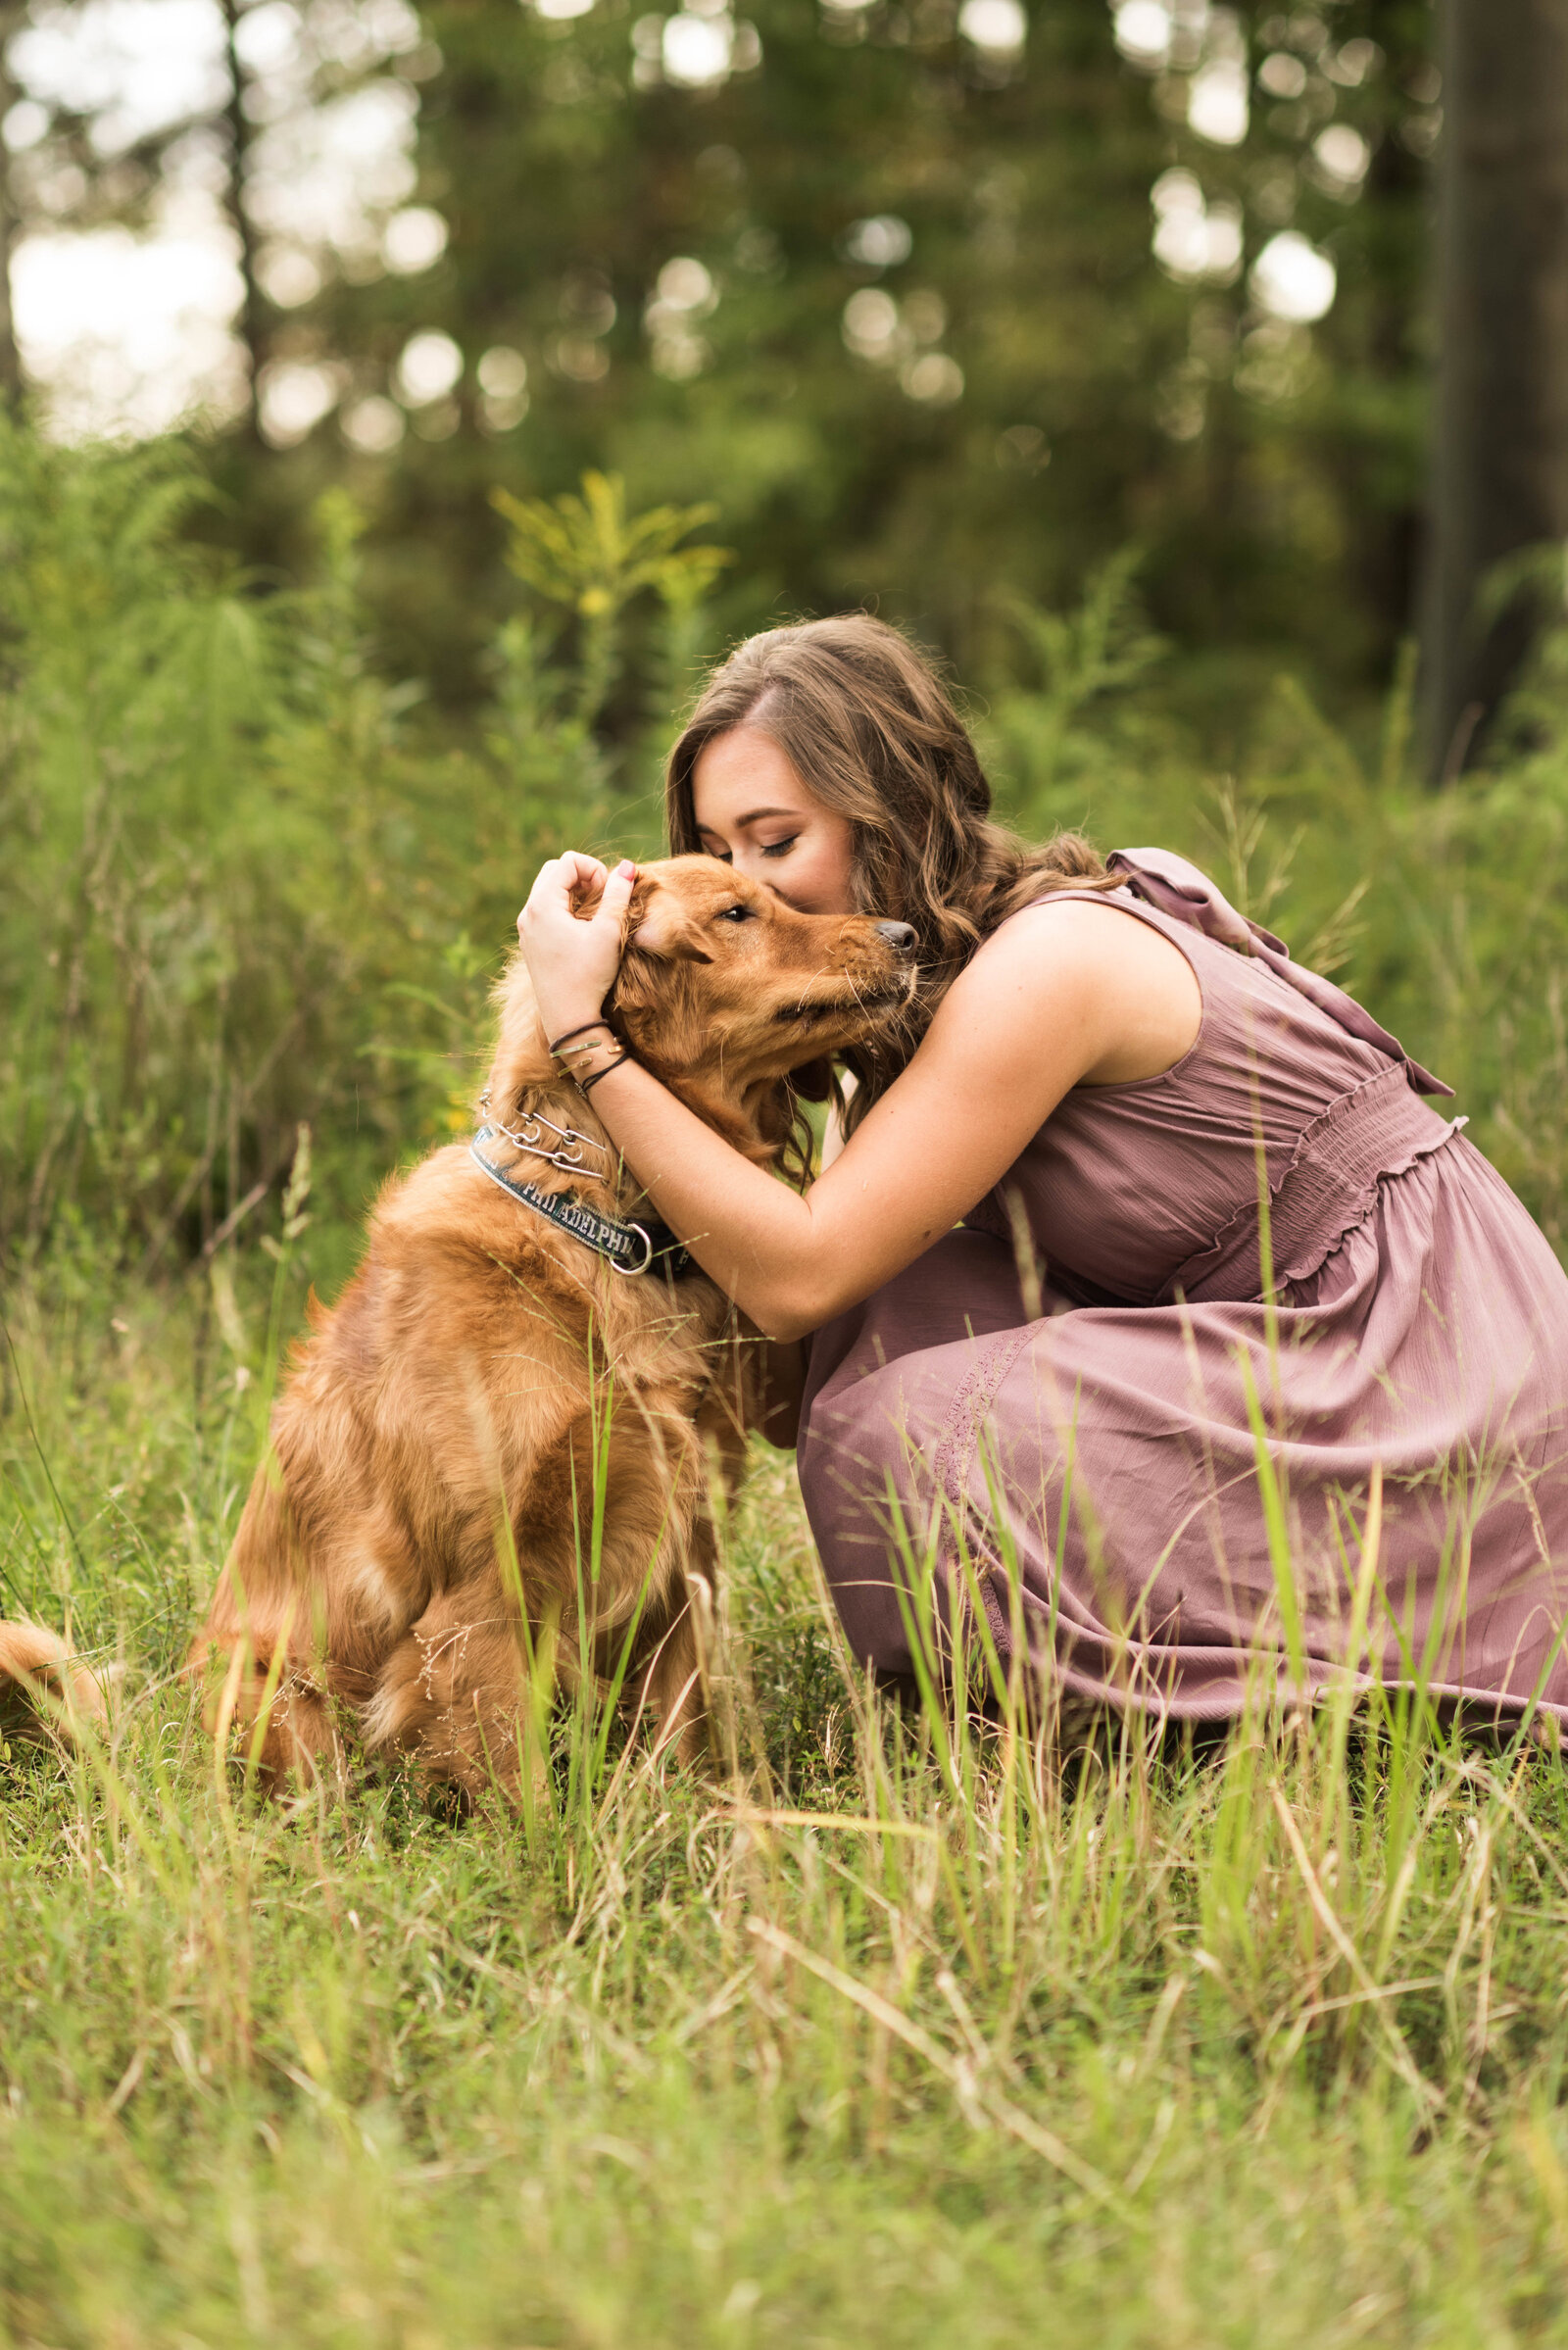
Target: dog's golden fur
(431,1474)
(42,1682)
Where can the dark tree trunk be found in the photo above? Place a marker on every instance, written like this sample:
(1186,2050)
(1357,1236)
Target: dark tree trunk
(252,322)
(10,357)
(1387,529)
(1500,452)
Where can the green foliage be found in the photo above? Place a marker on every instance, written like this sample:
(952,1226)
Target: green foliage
(588,556)
(1034,386)
(1083,663)
(243,872)
(888,2033)
(1031,390)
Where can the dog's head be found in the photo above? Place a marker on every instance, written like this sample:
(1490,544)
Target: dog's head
(721,979)
(723,989)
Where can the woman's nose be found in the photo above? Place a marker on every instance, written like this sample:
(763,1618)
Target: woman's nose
(898,935)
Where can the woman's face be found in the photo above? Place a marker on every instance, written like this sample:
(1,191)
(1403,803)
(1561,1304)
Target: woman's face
(755,812)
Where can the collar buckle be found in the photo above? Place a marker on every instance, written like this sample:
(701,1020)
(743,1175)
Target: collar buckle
(648,1250)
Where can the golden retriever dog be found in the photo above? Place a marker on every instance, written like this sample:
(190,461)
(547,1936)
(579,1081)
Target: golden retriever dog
(494,1447)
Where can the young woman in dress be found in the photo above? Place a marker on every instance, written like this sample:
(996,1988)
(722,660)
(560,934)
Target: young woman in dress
(1071,1406)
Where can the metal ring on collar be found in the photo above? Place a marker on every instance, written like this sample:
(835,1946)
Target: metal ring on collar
(648,1253)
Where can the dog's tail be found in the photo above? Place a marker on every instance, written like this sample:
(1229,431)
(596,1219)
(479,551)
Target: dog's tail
(42,1686)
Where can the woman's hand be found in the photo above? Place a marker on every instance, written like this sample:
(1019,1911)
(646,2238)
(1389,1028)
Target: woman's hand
(573,959)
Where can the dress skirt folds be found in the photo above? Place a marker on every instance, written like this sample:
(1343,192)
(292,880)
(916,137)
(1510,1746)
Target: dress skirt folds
(1136,1408)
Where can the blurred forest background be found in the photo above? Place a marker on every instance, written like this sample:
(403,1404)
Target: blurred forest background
(402,403)
(940,304)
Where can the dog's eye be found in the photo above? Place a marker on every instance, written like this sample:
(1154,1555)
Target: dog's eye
(737,913)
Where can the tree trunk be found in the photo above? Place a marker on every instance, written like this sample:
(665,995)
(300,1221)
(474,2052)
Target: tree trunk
(1500,453)
(10,357)
(251,320)
(1386,525)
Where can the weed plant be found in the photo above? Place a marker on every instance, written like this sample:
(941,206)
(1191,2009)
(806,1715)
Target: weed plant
(891,2029)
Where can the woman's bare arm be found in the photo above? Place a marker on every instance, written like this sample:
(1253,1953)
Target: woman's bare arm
(1086,991)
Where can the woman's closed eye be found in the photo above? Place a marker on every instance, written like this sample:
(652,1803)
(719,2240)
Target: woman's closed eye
(781,848)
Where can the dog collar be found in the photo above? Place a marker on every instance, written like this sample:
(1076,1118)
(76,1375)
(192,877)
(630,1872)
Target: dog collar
(626,1248)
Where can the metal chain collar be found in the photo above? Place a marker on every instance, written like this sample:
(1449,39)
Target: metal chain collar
(529,1135)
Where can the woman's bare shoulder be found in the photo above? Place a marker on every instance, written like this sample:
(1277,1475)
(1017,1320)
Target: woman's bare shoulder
(1129,991)
(1106,914)
(1030,980)
(1068,933)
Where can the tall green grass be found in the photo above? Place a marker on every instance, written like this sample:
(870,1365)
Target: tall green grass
(889,2029)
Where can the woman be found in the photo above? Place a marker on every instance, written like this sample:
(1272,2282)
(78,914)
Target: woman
(1175,1444)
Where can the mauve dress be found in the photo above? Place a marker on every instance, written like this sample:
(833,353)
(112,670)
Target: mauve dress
(1089,1474)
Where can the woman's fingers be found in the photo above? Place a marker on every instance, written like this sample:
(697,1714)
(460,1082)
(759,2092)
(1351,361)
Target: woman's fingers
(610,911)
(584,876)
(559,884)
(573,956)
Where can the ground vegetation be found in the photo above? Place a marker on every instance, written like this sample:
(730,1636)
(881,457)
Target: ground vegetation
(888,2029)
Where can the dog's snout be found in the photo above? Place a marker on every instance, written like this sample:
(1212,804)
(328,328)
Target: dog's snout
(900,936)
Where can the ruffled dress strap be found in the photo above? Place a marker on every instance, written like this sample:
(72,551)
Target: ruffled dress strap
(1180,890)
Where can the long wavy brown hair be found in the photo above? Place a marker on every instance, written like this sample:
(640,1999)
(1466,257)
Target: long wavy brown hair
(869,726)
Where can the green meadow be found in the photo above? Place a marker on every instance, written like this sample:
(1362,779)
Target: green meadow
(889,2029)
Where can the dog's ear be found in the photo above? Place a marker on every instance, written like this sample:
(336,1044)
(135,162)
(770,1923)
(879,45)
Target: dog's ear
(653,997)
(659,925)
(654,1005)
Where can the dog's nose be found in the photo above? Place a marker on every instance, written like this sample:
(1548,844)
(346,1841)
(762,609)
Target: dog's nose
(898,935)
